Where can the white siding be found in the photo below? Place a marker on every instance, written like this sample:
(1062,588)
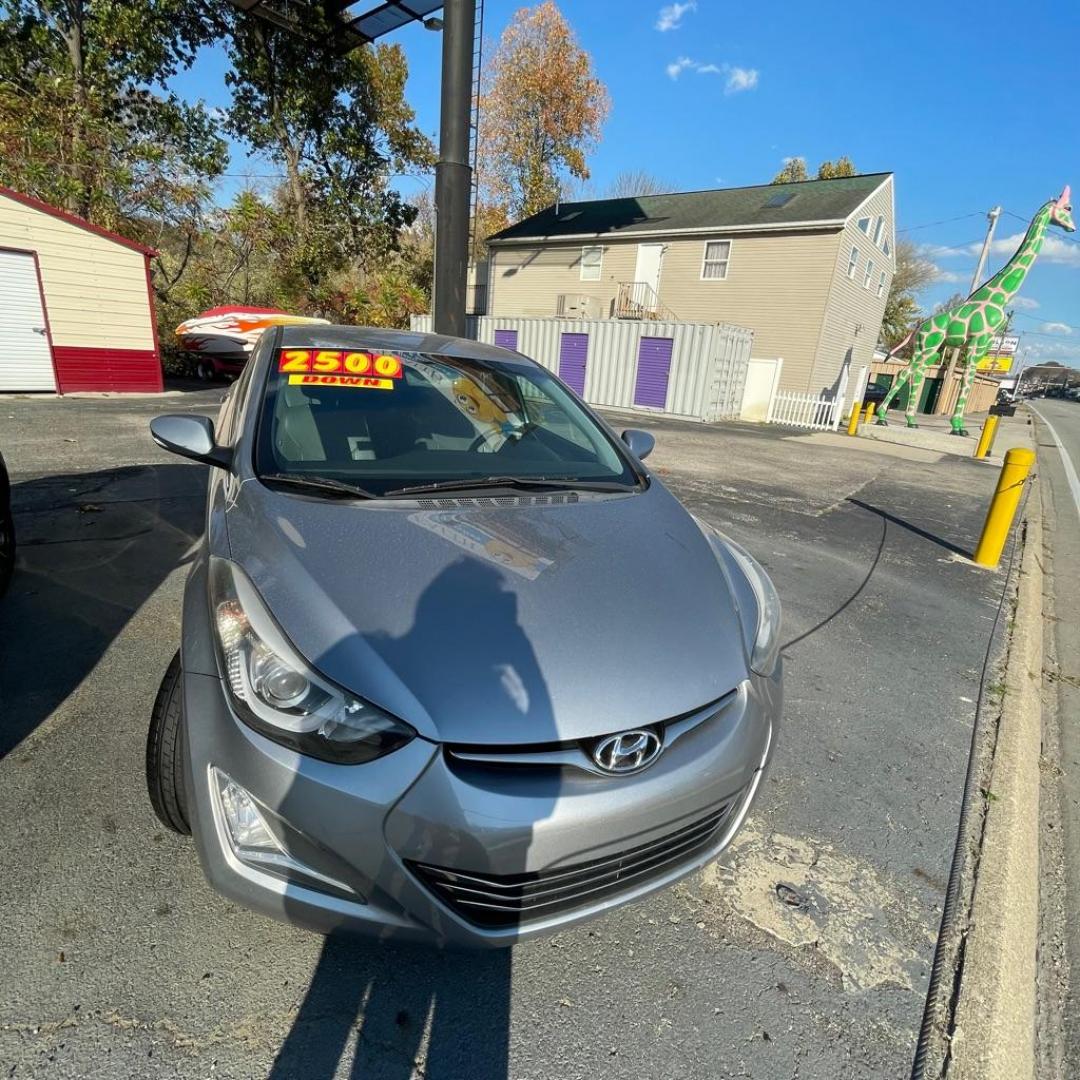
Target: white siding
(852,319)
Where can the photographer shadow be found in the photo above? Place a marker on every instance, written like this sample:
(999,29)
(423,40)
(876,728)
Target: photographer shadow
(385,999)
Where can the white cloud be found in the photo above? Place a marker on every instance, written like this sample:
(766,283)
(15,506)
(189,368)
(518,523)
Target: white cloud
(1055,249)
(740,79)
(1036,350)
(670,17)
(941,251)
(1055,328)
(677,67)
(941,274)
(1024,302)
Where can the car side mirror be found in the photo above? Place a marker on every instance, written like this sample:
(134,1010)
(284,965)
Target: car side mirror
(641,443)
(190,437)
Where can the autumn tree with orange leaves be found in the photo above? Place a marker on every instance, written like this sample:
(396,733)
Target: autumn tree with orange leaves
(542,108)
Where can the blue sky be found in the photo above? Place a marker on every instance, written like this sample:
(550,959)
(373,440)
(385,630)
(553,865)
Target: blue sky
(712,94)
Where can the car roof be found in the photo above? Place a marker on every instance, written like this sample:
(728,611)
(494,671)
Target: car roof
(374,337)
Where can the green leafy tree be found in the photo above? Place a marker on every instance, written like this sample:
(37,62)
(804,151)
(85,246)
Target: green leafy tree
(86,118)
(340,128)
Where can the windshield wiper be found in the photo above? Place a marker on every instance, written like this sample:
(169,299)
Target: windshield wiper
(325,485)
(525,483)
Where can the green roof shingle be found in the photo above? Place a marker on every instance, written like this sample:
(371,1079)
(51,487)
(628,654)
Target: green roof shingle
(811,201)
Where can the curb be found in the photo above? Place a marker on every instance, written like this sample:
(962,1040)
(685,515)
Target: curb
(993,1036)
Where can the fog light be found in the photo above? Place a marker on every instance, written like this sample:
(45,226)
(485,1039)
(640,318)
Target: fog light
(253,842)
(247,827)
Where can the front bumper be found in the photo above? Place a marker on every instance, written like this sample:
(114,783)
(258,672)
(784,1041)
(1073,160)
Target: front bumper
(374,827)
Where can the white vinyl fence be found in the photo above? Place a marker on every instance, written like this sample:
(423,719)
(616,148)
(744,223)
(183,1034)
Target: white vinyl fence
(762,385)
(816,411)
(805,411)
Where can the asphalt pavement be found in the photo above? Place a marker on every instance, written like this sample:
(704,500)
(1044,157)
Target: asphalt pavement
(1058,426)
(804,952)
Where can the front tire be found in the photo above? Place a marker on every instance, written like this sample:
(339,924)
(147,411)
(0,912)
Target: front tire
(164,752)
(7,549)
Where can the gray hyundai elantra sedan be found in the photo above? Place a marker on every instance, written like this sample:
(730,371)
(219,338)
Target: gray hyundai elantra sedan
(454,666)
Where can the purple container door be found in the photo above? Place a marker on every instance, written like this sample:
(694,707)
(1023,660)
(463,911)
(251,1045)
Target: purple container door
(573,352)
(653,366)
(506,339)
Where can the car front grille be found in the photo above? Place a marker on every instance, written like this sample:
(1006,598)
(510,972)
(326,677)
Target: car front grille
(501,900)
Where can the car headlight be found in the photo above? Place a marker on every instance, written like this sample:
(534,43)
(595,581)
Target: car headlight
(761,626)
(276,692)
(765,647)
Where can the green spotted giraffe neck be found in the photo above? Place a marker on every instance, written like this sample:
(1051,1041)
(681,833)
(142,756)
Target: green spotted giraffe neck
(1001,288)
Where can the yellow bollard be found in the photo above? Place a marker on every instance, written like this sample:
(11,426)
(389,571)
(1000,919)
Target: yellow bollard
(999,517)
(869,413)
(986,436)
(853,419)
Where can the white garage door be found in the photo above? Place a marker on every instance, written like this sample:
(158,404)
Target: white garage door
(25,360)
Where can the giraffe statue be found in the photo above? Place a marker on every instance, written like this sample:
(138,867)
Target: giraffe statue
(971,326)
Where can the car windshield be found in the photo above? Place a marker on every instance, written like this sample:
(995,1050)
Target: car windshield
(384,422)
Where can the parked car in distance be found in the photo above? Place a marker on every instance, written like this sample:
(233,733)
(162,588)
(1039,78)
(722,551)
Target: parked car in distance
(7,529)
(455,666)
(874,395)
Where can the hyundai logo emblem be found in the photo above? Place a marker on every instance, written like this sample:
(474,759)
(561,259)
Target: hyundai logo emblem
(627,752)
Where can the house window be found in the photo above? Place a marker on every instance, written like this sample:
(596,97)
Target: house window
(869,273)
(714,264)
(881,284)
(877,229)
(592,262)
(864,224)
(853,262)
(886,250)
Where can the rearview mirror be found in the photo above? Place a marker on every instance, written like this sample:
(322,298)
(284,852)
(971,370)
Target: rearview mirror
(641,443)
(190,437)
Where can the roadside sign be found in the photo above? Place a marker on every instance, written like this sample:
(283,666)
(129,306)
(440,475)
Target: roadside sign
(994,364)
(1005,345)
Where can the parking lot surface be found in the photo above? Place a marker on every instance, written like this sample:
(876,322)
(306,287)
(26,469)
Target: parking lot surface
(804,952)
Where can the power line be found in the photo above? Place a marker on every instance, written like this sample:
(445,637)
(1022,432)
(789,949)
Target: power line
(1045,319)
(1063,236)
(943,221)
(964,248)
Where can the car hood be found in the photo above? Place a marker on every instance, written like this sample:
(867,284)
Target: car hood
(499,621)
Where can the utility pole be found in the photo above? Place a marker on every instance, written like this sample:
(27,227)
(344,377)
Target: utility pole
(453,173)
(992,217)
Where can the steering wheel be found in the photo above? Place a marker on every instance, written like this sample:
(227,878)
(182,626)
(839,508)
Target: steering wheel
(485,439)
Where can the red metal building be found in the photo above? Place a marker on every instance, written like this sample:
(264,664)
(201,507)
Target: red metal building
(76,304)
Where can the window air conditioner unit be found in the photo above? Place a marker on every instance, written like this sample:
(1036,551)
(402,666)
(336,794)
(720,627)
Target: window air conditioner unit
(579,306)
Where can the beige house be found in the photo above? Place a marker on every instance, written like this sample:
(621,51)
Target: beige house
(806,266)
